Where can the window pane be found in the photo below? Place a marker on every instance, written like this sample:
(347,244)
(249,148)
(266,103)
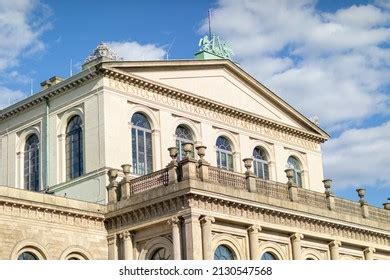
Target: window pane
(223,161)
(149,152)
(141,144)
(31,163)
(74,148)
(267,256)
(230,162)
(27,256)
(223,253)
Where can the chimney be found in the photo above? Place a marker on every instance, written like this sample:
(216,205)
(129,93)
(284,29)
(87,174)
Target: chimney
(51,82)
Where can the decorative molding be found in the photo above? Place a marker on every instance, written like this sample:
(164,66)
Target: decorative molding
(180,95)
(268,218)
(57,215)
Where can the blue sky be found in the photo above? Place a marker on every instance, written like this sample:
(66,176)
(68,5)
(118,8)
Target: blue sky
(329,59)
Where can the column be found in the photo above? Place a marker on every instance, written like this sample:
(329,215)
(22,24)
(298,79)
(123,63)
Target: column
(127,238)
(253,232)
(334,249)
(175,222)
(296,245)
(369,253)
(193,237)
(112,248)
(206,237)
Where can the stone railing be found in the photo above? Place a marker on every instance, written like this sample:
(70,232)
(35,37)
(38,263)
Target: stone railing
(312,198)
(200,170)
(149,181)
(347,206)
(227,178)
(272,189)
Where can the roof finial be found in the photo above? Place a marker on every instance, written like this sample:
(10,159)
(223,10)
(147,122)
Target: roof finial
(209,12)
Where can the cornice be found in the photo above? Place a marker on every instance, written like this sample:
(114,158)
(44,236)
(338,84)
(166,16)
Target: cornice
(48,213)
(49,93)
(243,214)
(154,86)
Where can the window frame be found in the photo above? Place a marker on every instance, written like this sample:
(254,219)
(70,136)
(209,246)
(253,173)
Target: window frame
(228,249)
(148,156)
(32,163)
(297,170)
(181,140)
(262,164)
(228,154)
(70,158)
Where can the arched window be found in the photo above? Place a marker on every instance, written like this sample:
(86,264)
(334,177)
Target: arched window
(260,163)
(224,153)
(31,163)
(183,135)
(267,256)
(141,141)
(74,148)
(223,253)
(161,254)
(27,256)
(295,164)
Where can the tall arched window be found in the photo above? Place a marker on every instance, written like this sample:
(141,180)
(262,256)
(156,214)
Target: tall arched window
(31,163)
(183,135)
(260,163)
(74,148)
(141,141)
(267,256)
(295,164)
(224,153)
(223,253)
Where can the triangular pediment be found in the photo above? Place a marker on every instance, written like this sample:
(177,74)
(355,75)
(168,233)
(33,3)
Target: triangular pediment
(223,82)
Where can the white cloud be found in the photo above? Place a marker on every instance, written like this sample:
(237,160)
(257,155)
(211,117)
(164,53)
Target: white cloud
(9,96)
(135,51)
(334,65)
(359,157)
(21,25)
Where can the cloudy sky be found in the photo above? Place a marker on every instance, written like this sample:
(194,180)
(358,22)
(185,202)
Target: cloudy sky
(329,59)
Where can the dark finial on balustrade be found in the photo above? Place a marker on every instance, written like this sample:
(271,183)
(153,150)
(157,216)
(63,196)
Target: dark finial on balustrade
(188,149)
(327,186)
(386,205)
(289,174)
(361,193)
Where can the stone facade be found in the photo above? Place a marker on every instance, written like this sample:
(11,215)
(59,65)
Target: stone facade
(183,209)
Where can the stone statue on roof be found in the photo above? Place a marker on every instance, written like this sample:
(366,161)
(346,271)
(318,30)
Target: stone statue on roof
(102,50)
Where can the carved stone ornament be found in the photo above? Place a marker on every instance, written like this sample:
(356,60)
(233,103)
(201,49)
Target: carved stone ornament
(102,50)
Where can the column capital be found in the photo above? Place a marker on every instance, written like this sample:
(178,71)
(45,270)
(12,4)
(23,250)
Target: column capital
(254,229)
(369,250)
(174,221)
(111,239)
(335,243)
(297,236)
(126,235)
(207,220)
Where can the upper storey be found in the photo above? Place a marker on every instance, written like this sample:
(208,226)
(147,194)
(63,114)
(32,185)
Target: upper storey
(222,82)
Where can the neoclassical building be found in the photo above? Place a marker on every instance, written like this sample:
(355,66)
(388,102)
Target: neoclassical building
(173,159)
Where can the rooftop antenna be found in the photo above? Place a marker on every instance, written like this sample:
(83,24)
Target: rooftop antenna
(209,14)
(31,86)
(71,68)
(170,46)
